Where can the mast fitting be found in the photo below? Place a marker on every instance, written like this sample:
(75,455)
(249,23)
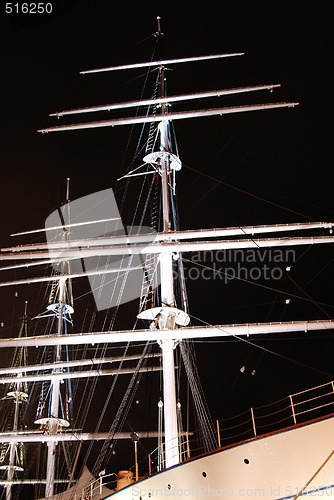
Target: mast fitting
(174,161)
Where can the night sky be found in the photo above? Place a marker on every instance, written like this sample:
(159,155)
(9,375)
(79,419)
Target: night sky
(265,167)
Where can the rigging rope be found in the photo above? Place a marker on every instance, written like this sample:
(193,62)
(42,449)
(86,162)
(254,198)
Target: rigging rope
(300,493)
(122,411)
(208,438)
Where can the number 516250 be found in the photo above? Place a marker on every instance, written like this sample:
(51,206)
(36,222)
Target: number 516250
(28,8)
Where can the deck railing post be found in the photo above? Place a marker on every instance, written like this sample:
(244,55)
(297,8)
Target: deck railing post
(188,447)
(253,420)
(149,465)
(293,410)
(218,434)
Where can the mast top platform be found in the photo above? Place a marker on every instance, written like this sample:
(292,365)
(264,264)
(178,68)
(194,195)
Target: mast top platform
(164,316)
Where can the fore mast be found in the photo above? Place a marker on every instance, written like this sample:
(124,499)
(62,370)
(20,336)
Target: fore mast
(60,308)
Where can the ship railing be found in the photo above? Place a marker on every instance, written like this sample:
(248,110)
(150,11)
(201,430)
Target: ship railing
(155,460)
(294,409)
(153,463)
(95,488)
(289,411)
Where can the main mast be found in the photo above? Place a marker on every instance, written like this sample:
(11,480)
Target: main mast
(167,298)
(165,317)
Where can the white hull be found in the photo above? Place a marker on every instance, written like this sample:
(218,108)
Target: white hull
(275,466)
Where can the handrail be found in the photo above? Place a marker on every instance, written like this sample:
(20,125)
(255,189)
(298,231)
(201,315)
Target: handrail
(296,406)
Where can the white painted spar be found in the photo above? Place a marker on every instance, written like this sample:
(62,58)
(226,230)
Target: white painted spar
(194,332)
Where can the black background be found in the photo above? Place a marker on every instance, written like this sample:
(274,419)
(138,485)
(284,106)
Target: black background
(263,167)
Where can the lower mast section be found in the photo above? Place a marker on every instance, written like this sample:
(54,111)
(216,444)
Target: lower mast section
(167,316)
(53,423)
